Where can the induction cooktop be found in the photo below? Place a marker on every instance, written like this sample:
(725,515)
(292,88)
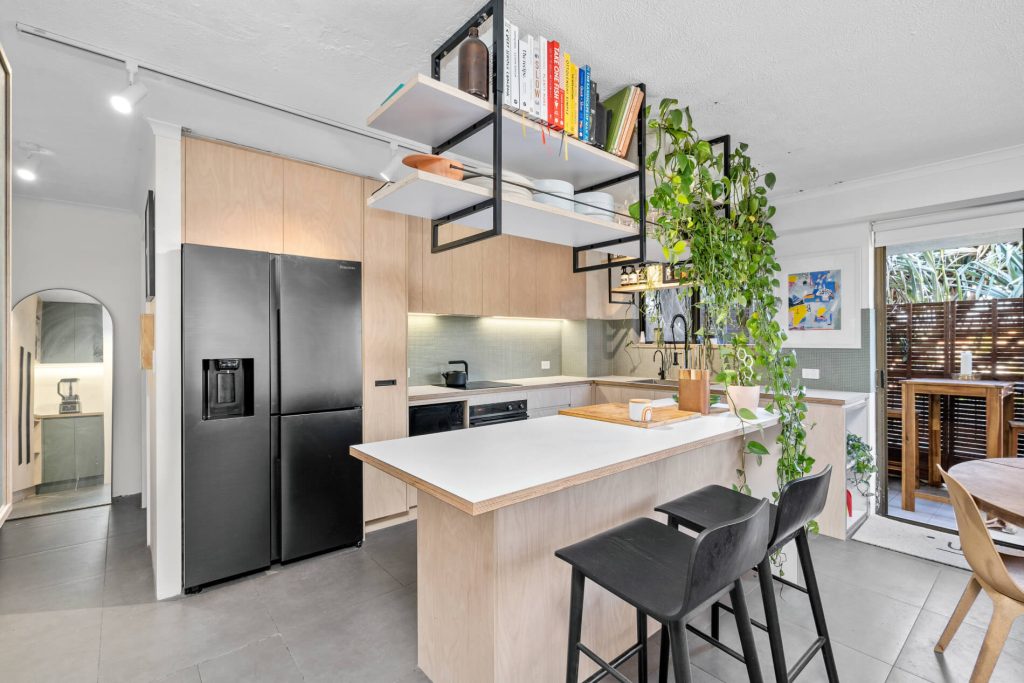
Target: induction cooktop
(481,385)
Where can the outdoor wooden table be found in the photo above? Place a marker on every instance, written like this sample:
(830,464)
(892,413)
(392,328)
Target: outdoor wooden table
(997,486)
(998,409)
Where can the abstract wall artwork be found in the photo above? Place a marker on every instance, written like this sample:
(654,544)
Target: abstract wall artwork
(814,300)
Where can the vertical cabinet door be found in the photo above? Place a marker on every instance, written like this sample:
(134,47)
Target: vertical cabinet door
(233,197)
(58,333)
(88,333)
(522,277)
(58,451)
(550,278)
(385,388)
(574,288)
(437,273)
(88,446)
(416,229)
(467,272)
(494,277)
(323,212)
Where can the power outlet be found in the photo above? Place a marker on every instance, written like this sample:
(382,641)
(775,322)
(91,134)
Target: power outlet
(810,373)
(545,365)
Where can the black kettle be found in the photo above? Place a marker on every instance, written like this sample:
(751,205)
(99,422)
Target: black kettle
(456,378)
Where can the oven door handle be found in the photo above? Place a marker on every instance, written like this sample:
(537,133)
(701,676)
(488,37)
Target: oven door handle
(508,417)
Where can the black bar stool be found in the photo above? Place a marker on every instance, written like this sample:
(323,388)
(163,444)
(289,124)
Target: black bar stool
(800,501)
(667,575)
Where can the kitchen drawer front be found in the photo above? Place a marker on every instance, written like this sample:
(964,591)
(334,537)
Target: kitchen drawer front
(549,398)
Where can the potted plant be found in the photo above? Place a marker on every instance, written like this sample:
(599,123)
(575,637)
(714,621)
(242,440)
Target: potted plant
(723,220)
(860,464)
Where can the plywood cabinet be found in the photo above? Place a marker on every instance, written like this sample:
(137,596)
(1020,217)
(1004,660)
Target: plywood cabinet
(385,296)
(522,277)
(233,196)
(504,275)
(494,294)
(323,212)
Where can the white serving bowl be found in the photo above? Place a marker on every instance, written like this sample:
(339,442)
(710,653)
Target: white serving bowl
(601,204)
(562,190)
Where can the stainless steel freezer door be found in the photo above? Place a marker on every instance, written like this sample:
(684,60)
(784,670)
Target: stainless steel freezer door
(321,484)
(320,334)
(225,463)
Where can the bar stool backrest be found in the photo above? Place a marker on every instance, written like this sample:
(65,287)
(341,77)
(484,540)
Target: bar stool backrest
(800,501)
(979,550)
(723,553)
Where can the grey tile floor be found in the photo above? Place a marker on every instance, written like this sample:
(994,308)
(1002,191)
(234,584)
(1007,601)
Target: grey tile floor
(61,501)
(76,604)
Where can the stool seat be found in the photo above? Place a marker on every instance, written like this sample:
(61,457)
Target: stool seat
(709,506)
(643,562)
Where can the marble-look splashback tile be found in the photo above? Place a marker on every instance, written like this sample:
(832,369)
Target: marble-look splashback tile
(495,348)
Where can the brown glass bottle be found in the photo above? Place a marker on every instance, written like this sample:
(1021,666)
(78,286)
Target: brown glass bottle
(473,61)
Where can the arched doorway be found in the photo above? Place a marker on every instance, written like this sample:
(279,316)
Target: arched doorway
(61,399)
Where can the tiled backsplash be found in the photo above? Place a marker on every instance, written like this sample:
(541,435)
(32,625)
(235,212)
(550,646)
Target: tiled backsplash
(495,348)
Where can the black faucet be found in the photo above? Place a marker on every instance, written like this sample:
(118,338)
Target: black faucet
(686,340)
(661,367)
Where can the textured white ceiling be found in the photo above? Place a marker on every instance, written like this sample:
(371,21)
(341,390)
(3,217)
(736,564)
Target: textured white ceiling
(823,92)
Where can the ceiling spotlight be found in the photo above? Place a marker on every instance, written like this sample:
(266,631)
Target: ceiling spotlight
(389,171)
(27,171)
(125,101)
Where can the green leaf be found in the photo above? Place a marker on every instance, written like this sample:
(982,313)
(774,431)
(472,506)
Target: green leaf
(747,414)
(757,448)
(769,180)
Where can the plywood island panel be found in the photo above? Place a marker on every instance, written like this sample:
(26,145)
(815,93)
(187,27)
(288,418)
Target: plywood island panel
(492,599)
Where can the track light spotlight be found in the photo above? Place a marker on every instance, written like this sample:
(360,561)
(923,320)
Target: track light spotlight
(396,160)
(124,102)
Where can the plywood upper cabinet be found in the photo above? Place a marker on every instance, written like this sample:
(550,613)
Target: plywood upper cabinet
(437,273)
(233,196)
(385,390)
(323,212)
(417,228)
(494,276)
(467,273)
(551,267)
(522,277)
(574,287)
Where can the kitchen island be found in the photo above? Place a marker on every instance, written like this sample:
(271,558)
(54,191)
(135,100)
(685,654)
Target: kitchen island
(492,599)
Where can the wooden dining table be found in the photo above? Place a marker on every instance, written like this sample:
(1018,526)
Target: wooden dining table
(997,486)
(998,397)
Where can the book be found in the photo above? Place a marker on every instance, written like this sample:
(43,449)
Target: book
(569,71)
(506,65)
(515,67)
(585,103)
(525,74)
(556,90)
(542,84)
(538,75)
(631,122)
(616,105)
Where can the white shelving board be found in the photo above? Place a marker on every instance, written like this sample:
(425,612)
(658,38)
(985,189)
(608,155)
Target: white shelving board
(430,112)
(428,195)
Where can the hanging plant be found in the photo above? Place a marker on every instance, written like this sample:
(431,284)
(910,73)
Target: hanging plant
(723,221)
(861,464)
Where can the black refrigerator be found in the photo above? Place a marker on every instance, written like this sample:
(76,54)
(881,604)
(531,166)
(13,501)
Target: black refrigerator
(271,402)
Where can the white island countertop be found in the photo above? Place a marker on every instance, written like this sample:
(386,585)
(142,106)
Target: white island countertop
(486,468)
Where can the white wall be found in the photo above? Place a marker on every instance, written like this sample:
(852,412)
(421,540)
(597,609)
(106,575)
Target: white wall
(96,251)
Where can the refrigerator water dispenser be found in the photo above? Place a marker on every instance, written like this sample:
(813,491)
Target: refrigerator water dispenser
(227,388)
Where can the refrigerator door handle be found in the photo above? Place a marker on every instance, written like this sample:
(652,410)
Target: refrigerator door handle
(275,335)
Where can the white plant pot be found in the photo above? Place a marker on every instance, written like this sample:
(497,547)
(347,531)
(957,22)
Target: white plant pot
(738,397)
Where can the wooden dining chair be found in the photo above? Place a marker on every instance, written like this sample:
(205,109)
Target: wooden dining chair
(1002,577)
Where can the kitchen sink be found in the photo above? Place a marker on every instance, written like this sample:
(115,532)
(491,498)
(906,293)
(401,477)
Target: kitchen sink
(659,382)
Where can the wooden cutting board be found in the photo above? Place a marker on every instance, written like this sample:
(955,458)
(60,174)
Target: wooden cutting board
(618,413)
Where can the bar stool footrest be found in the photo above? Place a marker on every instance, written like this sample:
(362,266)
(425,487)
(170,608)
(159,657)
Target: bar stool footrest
(609,668)
(716,642)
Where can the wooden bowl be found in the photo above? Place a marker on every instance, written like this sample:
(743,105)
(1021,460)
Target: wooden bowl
(438,165)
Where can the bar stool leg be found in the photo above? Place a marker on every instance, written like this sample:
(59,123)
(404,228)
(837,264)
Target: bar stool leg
(572,668)
(663,655)
(804,551)
(739,605)
(641,637)
(680,655)
(771,616)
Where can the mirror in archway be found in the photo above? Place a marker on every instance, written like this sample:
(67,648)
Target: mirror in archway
(60,397)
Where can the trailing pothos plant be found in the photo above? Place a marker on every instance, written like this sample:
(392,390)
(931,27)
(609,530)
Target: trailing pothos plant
(724,220)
